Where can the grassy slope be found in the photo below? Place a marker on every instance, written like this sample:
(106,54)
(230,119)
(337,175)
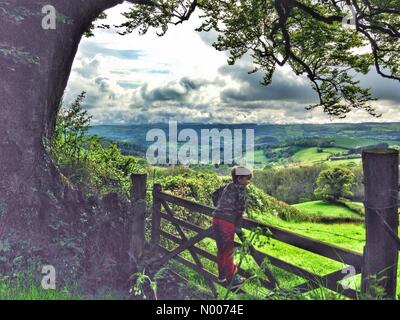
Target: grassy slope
(354,142)
(350,236)
(308,155)
(342,163)
(25,288)
(259,157)
(359,142)
(322,208)
(33,291)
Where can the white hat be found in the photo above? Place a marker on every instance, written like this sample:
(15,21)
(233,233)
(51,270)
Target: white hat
(242,171)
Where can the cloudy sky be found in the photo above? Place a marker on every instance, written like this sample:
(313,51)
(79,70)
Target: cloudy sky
(139,79)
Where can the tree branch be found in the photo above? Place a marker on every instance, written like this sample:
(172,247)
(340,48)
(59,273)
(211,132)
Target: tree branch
(316,15)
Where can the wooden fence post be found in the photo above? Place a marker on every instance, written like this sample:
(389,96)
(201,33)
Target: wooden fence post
(156,218)
(381,183)
(138,196)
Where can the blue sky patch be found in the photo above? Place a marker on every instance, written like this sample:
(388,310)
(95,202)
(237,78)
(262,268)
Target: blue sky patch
(92,49)
(128,84)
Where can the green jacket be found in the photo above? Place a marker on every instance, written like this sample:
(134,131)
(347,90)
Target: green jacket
(231,203)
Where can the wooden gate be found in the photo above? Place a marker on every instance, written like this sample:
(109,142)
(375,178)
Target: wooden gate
(380,252)
(330,281)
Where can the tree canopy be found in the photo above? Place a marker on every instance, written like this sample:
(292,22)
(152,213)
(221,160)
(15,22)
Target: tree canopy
(334,184)
(311,36)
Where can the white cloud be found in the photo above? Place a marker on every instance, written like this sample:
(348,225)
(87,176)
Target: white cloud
(132,78)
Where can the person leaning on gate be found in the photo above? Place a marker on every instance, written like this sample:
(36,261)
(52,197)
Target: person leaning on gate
(230,202)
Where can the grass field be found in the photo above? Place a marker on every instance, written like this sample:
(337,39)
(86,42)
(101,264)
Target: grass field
(349,236)
(343,163)
(23,286)
(322,208)
(31,290)
(311,155)
(259,157)
(354,142)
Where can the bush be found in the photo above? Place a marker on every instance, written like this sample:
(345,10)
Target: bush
(95,168)
(289,184)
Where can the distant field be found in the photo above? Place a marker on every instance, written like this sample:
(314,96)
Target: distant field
(345,136)
(322,208)
(342,163)
(312,155)
(354,142)
(259,157)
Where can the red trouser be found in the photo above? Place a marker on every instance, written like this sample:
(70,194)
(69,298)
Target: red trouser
(224,235)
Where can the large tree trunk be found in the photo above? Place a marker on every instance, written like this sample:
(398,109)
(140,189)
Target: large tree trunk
(34,68)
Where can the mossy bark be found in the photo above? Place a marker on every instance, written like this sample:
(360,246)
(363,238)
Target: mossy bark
(35,65)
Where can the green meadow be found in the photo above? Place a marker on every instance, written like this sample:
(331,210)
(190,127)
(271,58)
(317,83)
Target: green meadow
(323,208)
(311,155)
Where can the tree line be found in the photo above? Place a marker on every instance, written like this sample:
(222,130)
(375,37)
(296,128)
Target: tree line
(298,184)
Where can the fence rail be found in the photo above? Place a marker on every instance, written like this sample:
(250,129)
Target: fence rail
(327,250)
(333,252)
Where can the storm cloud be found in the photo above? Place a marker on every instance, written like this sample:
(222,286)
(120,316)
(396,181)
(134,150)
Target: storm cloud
(381,88)
(173,91)
(283,86)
